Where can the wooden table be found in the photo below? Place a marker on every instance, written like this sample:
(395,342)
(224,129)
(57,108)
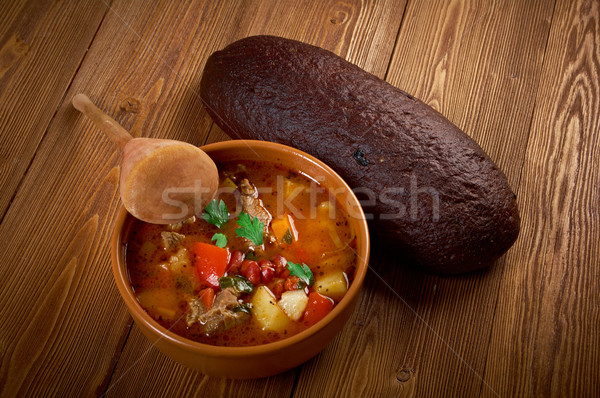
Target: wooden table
(520,77)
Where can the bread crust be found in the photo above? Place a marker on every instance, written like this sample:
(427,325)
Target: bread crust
(439,197)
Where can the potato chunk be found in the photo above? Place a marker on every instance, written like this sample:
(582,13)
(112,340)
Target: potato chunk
(334,285)
(293,303)
(159,302)
(179,261)
(266,311)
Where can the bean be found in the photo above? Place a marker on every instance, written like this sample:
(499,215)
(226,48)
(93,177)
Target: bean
(268,273)
(251,270)
(235,261)
(280,264)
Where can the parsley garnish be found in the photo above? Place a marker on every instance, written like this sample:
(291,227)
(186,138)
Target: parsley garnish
(216,213)
(237,282)
(302,272)
(288,237)
(247,308)
(251,228)
(221,240)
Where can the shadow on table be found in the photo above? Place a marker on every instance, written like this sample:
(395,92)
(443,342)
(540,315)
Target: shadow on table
(416,287)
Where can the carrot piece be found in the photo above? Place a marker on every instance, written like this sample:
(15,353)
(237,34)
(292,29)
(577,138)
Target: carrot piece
(210,262)
(318,306)
(281,226)
(208,297)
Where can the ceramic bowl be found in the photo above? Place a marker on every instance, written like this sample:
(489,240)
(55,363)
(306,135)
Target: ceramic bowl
(267,359)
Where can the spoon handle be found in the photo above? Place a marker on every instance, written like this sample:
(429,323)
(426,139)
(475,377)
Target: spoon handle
(108,125)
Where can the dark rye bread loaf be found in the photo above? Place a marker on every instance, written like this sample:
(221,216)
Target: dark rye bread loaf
(433,192)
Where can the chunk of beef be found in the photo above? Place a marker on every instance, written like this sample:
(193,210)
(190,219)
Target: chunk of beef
(196,309)
(171,239)
(252,205)
(178,225)
(221,316)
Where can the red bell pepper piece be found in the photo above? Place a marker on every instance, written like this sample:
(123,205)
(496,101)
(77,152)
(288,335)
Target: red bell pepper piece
(208,297)
(210,262)
(318,306)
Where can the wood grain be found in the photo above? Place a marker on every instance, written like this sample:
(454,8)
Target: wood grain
(546,327)
(40,51)
(143,370)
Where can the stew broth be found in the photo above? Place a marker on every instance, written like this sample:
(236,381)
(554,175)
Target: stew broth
(165,262)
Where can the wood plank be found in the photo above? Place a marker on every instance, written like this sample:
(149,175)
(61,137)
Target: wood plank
(446,55)
(545,341)
(140,358)
(40,50)
(63,321)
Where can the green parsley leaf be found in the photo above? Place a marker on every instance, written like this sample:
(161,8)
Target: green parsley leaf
(216,213)
(302,272)
(221,239)
(288,237)
(251,228)
(237,282)
(246,307)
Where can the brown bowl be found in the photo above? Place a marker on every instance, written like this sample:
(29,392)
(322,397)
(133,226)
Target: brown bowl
(267,359)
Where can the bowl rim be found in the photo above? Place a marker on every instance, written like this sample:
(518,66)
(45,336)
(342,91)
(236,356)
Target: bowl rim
(363,252)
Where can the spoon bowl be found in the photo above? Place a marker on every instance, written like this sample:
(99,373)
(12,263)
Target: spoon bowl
(161,181)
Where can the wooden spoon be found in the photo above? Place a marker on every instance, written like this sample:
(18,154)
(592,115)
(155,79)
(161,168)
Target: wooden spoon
(162,181)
